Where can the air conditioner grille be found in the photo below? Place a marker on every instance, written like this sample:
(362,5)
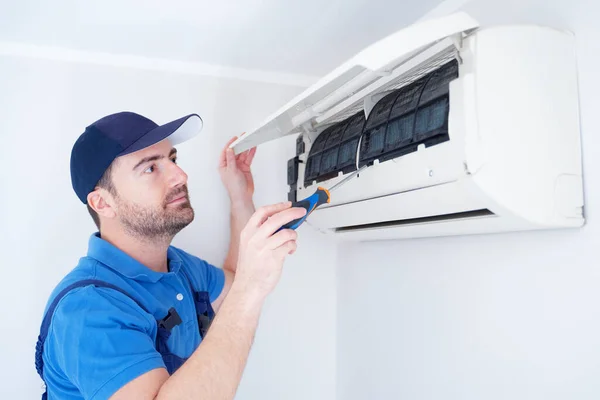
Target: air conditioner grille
(401,121)
(409,117)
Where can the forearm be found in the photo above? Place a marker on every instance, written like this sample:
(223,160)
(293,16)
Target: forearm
(240,214)
(215,369)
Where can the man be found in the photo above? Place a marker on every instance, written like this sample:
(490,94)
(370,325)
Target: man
(131,320)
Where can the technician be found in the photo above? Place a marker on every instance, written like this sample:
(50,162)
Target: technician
(138,318)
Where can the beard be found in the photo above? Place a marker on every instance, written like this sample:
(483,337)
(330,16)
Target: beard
(157,223)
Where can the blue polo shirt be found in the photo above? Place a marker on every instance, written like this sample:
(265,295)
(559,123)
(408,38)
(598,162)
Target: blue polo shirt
(100,339)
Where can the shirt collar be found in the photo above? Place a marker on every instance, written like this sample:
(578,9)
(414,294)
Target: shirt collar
(116,259)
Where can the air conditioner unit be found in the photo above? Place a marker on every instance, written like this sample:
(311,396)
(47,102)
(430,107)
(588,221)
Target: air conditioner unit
(463,131)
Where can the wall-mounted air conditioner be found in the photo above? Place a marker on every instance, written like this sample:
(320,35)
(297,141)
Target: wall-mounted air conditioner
(464,130)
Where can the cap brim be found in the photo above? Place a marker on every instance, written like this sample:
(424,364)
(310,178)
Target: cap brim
(177,131)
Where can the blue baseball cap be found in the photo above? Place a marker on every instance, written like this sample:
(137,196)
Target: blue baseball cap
(117,135)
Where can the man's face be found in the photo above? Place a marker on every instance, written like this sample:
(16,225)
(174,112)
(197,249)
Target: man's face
(151,198)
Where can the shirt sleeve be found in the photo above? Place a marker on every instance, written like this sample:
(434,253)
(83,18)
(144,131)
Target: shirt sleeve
(102,340)
(207,277)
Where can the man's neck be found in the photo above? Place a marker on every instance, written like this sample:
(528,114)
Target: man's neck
(151,253)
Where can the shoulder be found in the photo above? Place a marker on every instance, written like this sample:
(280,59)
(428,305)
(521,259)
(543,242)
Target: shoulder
(87,308)
(80,302)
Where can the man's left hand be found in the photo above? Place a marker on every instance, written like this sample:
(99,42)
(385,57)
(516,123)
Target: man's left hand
(235,173)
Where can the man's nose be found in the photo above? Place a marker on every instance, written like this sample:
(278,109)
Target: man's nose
(177,176)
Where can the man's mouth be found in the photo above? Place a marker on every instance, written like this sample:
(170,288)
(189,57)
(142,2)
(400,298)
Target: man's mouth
(180,199)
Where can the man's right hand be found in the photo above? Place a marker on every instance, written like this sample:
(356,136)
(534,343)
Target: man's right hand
(262,251)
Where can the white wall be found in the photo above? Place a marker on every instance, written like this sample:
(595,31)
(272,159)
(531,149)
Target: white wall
(44,106)
(511,316)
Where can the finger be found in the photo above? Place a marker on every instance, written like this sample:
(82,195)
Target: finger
(223,156)
(293,246)
(242,156)
(233,139)
(250,156)
(231,164)
(279,219)
(286,249)
(263,213)
(281,237)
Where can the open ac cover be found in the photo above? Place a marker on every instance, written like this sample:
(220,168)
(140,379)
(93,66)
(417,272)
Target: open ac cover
(465,131)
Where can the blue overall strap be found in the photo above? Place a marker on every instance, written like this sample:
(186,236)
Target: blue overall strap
(205,312)
(204,309)
(39,347)
(163,333)
(172,361)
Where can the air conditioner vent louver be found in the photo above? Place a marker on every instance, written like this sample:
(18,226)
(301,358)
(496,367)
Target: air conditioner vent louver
(422,220)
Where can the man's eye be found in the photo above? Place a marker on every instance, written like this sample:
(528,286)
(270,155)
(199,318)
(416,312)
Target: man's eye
(149,170)
(174,159)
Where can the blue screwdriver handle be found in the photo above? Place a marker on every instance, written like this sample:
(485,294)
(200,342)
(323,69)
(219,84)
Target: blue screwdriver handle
(321,196)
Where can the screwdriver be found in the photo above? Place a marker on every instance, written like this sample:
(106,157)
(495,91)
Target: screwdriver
(319,197)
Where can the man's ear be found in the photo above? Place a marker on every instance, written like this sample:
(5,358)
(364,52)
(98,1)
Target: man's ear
(101,202)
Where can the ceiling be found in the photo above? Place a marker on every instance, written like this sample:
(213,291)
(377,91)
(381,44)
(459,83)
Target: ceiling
(308,37)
